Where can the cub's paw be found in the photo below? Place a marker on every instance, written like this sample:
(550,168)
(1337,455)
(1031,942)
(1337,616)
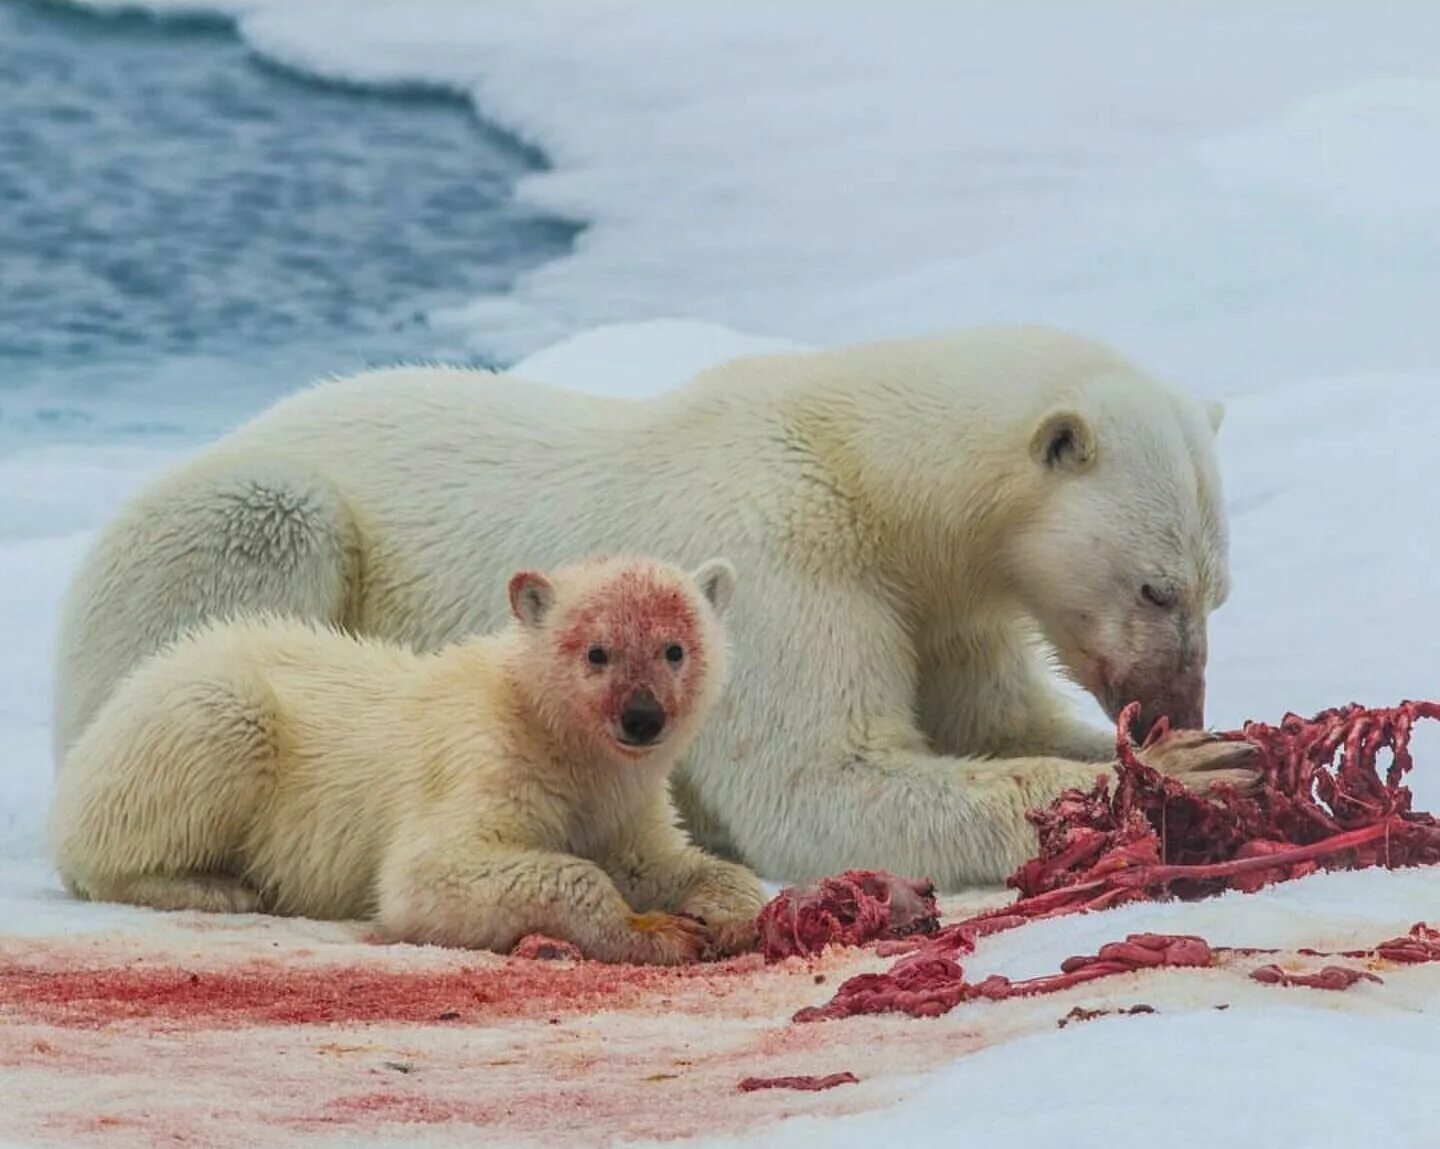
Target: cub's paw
(722,891)
(1202,760)
(666,939)
(731,936)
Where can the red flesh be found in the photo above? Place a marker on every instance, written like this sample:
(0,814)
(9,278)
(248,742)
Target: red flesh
(1080,1013)
(1331,977)
(848,909)
(931,982)
(807,1083)
(1154,839)
(539,947)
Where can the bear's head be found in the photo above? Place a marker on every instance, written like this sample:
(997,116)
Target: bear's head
(624,657)
(1123,553)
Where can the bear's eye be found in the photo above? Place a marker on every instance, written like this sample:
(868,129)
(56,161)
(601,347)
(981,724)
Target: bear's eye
(1162,596)
(597,656)
(674,653)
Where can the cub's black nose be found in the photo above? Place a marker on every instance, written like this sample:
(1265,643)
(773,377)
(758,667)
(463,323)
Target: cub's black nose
(643,718)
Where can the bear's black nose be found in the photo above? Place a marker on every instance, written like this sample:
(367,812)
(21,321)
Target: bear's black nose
(643,718)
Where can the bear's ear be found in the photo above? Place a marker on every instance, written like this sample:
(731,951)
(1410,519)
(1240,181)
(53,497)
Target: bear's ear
(1216,412)
(716,580)
(1063,441)
(531,597)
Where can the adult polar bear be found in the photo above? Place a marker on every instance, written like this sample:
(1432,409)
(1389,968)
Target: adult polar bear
(904,516)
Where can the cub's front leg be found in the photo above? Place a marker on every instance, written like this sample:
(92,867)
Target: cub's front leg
(487,895)
(656,867)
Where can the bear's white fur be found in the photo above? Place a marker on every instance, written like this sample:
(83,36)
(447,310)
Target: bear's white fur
(464,797)
(911,515)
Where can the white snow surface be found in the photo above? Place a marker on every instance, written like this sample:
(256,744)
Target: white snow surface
(1244,197)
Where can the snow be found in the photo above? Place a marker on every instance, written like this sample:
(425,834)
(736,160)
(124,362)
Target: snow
(1146,171)
(1245,198)
(1114,1082)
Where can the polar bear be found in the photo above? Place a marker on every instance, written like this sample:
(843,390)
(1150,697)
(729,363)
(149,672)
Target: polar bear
(913,516)
(504,785)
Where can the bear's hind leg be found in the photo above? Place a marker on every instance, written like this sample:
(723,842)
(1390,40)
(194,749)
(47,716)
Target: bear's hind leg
(242,537)
(211,893)
(161,794)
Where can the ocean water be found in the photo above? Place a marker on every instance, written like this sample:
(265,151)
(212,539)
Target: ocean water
(187,232)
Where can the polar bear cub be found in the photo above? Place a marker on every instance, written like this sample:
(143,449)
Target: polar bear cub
(508,784)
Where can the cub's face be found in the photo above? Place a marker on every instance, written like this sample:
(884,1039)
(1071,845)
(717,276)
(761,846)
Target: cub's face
(630,654)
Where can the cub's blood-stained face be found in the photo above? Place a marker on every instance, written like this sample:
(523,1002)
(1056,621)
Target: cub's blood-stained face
(632,654)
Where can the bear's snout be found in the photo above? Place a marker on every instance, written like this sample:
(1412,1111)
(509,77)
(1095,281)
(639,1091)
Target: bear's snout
(1180,698)
(643,719)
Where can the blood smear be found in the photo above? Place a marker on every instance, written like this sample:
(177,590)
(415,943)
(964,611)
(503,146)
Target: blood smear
(264,993)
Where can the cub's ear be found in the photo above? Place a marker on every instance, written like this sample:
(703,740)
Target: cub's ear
(531,597)
(716,580)
(1216,412)
(1063,442)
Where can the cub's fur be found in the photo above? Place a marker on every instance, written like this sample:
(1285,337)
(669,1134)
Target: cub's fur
(510,784)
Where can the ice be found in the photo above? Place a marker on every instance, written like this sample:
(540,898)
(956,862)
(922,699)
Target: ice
(638,360)
(820,171)
(1189,1082)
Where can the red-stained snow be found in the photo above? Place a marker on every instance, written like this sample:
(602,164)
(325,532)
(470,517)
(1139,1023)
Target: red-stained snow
(179,1034)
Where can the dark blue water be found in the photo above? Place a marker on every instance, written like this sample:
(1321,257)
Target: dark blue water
(186,233)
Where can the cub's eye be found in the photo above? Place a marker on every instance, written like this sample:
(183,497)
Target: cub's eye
(1161,596)
(674,653)
(597,656)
